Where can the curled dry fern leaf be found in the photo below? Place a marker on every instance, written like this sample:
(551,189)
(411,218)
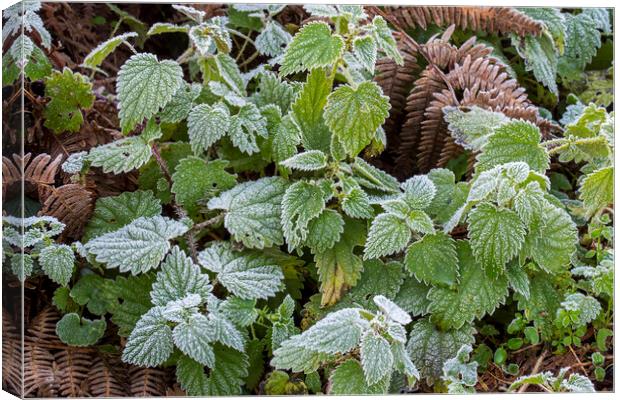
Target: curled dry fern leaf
(71,204)
(147,382)
(104,379)
(39,171)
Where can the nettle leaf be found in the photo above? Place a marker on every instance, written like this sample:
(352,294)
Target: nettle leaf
(419,221)
(302,202)
(229,373)
(126,154)
(138,246)
(144,86)
(433,259)
(178,278)
(253,211)
(114,212)
(365,51)
(307,111)
(349,379)
(94,59)
(69,92)
(248,275)
(206,125)
(311,160)
(230,73)
(134,293)
(324,231)
(57,261)
(553,19)
(496,236)
(150,343)
(246,126)
(419,192)
(242,312)
(179,107)
(514,141)
(354,114)
(587,306)
(552,241)
(312,47)
(541,57)
(272,40)
(385,40)
(597,189)
(372,177)
(376,357)
(225,332)
(80,332)
(392,311)
(272,90)
(471,129)
(193,337)
(518,279)
(429,347)
(195,180)
(412,297)
(356,204)
(601,17)
(191,376)
(164,27)
(582,39)
(475,295)
(388,235)
(541,305)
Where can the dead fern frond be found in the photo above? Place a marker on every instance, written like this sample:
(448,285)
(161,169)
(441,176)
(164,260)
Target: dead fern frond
(147,382)
(73,205)
(11,355)
(104,380)
(72,370)
(39,374)
(39,171)
(42,328)
(486,19)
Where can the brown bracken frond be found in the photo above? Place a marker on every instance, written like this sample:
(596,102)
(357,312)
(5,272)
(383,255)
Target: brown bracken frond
(39,171)
(73,367)
(486,19)
(42,328)
(147,382)
(71,204)
(11,355)
(39,375)
(104,380)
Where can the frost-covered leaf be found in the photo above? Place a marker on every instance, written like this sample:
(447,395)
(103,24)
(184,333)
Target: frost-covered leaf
(302,202)
(472,298)
(385,40)
(114,212)
(419,192)
(518,279)
(241,312)
(179,107)
(138,246)
(57,261)
(348,379)
(94,59)
(253,211)
(69,93)
(245,127)
(312,47)
(472,128)
(272,40)
(365,51)
(496,236)
(597,189)
(601,18)
(529,202)
(412,297)
(587,306)
(376,357)
(150,343)
(248,275)
(354,114)
(324,231)
(229,373)
(433,259)
(163,27)
(206,125)
(388,234)
(419,221)
(230,73)
(144,86)
(392,310)
(356,204)
(178,278)
(193,337)
(22,265)
(191,376)
(514,141)
(553,19)
(223,331)
(74,163)
(195,180)
(372,177)
(311,160)
(296,357)
(307,111)
(430,348)
(578,383)
(540,307)
(582,39)
(134,293)
(541,57)
(272,90)
(80,332)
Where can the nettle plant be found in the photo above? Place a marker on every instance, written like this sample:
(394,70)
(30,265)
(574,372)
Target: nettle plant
(252,182)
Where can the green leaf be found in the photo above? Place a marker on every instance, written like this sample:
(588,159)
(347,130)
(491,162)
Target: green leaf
(164,27)
(242,312)
(151,176)
(307,111)
(138,246)
(253,211)
(57,261)
(248,275)
(597,190)
(433,259)
(178,278)
(496,236)
(223,331)
(179,107)
(144,86)
(356,204)
(388,235)
(191,376)
(69,93)
(193,337)
(412,297)
(284,142)
(246,126)
(271,90)
(587,306)
(514,141)
(134,293)
(150,343)
(354,114)
(382,34)
(419,221)
(324,231)
(472,298)
(376,357)
(98,294)
(365,51)
(518,279)
(429,348)
(94,59)
(195,180)
(228,375)
(22,265)
(582,39)
(541,57)
(419,192)
(372,177)
(272,40)
(302,202)
(348,379)
(38,66)
(471,129)
(114,212)
(311,160)
(542,304)
(81,332)
(206,125)
(553,19)
(600,16)
(312,47)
